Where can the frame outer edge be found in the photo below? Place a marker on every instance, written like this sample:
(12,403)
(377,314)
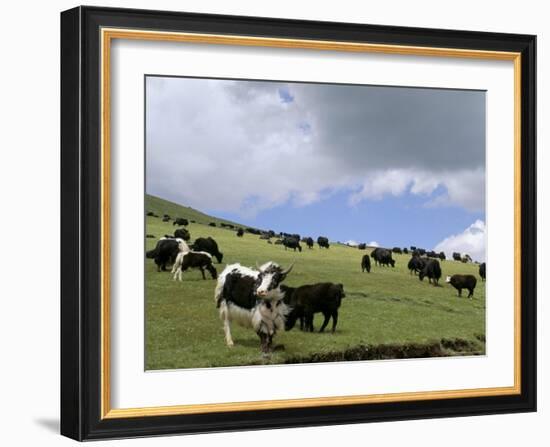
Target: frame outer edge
(80,412)
(529,233)
(71,401)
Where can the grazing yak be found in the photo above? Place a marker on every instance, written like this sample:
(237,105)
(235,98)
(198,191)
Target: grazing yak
(397,250)
(264,236)
(460,282)
(323,242)
(151,214)
(457,257)
(432,270)
(150,236)
(180,221)
(305,301)
(442,256)
(406,250)
(193,259)
(432,254)
(253,231)
(182,233)
(482,268)
(212,224)
(416,264)
(382,257)
(166,219)
(252,298)
(365,263)
(208,245)
(291,242)
(309,242)
(278,242)
(466,258)
(166,251)
(240,232)
(362,246)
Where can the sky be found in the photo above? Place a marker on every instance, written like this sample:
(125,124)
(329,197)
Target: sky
(389,166)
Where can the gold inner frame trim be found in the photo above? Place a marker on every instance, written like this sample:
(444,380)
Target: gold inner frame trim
(107,35)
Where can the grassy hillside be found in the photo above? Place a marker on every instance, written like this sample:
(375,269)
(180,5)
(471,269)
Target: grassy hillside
(160,207)
(386,314)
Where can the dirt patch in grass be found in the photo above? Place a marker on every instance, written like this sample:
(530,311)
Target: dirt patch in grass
(442,348)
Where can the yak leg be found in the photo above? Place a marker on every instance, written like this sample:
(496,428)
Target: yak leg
(334,320)
(202,272)
(327,318)
(227,330)
(460,292)
(265,342)
(471,294)
(309,323)
(226,324)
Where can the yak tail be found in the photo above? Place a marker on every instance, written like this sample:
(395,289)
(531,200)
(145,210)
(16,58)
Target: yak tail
(151,254)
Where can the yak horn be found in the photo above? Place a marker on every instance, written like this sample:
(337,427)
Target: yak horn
(258,266)
(287,271)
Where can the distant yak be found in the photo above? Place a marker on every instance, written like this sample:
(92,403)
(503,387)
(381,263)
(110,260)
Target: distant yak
(208,245)
(460,282)
(323,242)
(365,263)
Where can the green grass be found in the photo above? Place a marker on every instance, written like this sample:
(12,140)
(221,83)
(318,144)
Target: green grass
(386,307)
(160,207)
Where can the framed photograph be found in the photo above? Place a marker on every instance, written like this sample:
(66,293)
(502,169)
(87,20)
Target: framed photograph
(276,223)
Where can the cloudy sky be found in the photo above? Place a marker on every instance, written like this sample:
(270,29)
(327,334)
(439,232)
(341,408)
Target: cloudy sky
(392,165)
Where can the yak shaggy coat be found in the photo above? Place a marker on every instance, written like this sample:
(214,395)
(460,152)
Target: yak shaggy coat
(252,298)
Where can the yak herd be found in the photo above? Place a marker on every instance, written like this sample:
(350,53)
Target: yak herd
(257,298)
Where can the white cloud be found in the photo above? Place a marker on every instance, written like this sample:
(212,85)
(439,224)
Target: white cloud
(470,241)
(242,147)
(373,244)
(462,188)
(352,243)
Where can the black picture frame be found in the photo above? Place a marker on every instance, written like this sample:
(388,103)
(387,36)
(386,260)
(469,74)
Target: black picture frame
(81,209)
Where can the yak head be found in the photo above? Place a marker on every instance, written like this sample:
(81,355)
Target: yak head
(269,278)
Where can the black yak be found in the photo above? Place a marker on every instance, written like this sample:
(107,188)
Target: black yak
(305,301)
(365,263)
(208,245)
(460,282)
(291,242)
(482,268)
(382,256)
(323,242)
(416,264)
(166,251)
(432,270)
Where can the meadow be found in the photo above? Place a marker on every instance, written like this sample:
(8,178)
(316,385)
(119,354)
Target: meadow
(387,313)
